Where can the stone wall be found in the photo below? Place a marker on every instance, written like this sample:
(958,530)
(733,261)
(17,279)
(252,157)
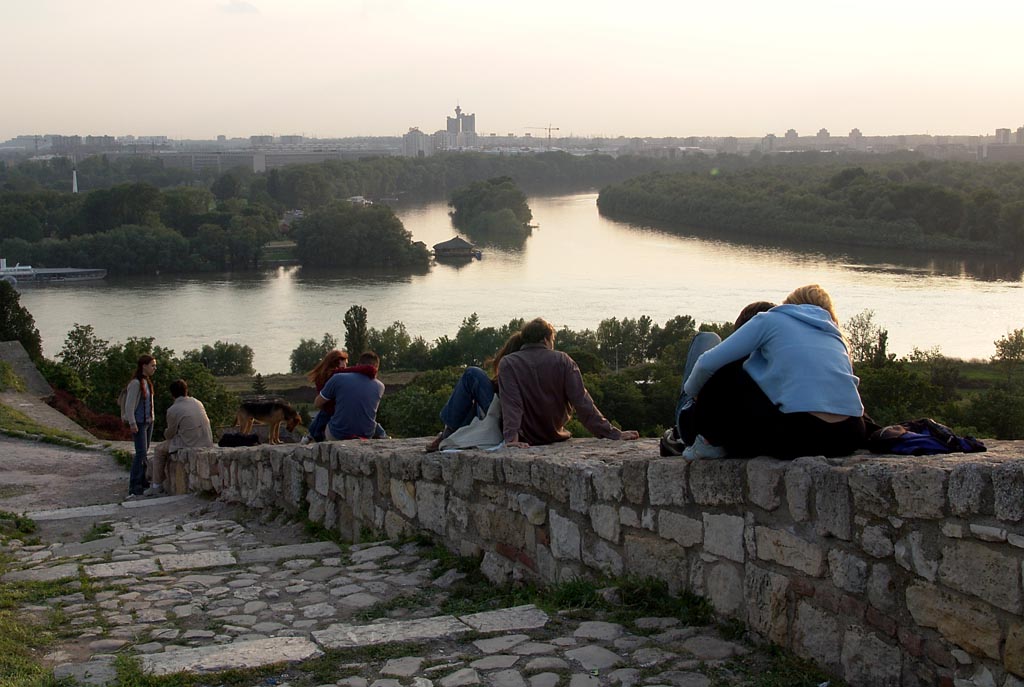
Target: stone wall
(885,570)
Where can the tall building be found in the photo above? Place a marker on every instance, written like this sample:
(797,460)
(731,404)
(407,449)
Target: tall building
(1003,136)
(768,143)
(856,138)
(823,133)
(417,144)
(1018,138)
(792,135)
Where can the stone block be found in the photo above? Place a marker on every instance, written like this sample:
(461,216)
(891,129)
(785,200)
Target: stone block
(605,521)
(321,480)
(484,469)
(964,622)
(766,604)
(913,552)
(816,635)
(723,536)
(970,489)
(431,506)
(983,571)
(317,507)
(849,572)
(798,491)
(920,491)
(1008,491)
(457,472)
(634,480)
(395,525)
(988,533)
(628,517)
(679,528)
(1013,652)
(547,566)
(832,502)
(565,537)
(717,482)
(516,468)
(404,466)
(430,467)
(881,588)
(785,548)
(604,557)
(535,510)
(550,479)
(876,541)
(666,482)
(239,655)
(497,569)
(458,515)
(868,660)
(764,477)
(607,482)
(403,496)
(580,495)
(871,487)
(650,556)
(724,587)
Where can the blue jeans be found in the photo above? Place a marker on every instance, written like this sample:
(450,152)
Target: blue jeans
(702,342)
(318,425)
(470,398)
(137,476)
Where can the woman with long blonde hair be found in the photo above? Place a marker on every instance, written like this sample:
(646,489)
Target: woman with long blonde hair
(782,385)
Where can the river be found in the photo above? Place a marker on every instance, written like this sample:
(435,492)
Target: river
(576,269)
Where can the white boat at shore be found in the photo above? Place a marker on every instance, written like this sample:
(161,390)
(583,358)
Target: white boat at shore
(19,274)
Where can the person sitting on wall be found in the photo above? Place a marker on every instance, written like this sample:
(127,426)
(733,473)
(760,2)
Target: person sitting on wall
(356,398)
(540,387)
(188,426)
(672,443)
(470,400)
(781,386)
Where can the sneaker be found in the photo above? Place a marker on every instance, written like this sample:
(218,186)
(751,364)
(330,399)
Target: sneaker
(670,444)
(702,449)
(155,490)
(306,440)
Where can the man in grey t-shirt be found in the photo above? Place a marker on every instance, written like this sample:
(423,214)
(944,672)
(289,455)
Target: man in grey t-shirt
(356,398)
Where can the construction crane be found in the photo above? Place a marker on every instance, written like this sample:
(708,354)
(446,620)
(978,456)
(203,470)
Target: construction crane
(547,128)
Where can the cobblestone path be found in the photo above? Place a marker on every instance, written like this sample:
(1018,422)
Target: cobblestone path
(191,585)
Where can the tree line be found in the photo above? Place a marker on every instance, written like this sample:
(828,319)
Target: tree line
(632,367)
(967,207)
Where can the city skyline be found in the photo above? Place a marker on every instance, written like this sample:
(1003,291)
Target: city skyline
(203,68)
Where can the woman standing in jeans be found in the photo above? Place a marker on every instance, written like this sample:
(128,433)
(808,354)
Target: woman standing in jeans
(138,413)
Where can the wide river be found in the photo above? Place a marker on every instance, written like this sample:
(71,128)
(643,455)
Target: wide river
(576,269)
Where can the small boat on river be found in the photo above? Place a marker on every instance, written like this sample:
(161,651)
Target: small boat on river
(26,274)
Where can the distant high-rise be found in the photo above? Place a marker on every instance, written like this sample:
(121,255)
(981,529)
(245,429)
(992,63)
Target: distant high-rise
(461,123)
(768,143)
(1018,138)
(1003,136)
(792,135)
(823,133)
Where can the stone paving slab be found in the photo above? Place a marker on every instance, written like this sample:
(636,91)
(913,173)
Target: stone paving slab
(57,572)
(270,554)
(527,617)
(344,636)
(142,566)
(234,656)
(155,502)
(197,560)
(80,512)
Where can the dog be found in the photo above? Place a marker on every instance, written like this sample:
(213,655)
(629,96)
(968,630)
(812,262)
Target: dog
(271,412)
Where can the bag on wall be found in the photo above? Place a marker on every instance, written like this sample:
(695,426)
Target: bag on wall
(924,437)
(233,439)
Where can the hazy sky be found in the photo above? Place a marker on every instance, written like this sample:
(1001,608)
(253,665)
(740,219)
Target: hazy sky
(198,68)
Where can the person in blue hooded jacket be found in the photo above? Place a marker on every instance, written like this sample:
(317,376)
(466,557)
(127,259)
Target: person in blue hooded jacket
(782,385)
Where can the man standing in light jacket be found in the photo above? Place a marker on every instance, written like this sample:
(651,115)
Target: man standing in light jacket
(540,387)
(187,427)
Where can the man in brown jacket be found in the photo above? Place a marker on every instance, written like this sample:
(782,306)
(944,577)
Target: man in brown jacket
(187,427)
(540,387)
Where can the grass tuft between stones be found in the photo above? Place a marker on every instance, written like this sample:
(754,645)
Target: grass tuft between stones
(771,667)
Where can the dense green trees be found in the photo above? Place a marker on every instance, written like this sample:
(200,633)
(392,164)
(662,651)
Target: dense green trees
(494,209)
(17,323)
(930,205)
(223,358)
(346,235)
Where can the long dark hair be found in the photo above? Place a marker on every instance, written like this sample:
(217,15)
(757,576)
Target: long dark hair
(514,343)
(141,376)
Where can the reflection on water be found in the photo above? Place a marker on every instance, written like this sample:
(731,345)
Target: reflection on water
(575,269)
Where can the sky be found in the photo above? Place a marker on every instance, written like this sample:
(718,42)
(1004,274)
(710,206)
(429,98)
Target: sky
(335,68)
